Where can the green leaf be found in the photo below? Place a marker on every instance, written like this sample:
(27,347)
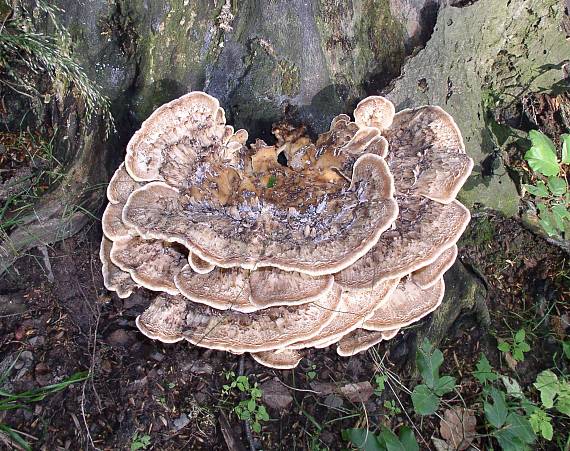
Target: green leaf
(362,439)
(520,336)
(380,380)
(546,219)
(408,439)
(484,372)
(429,360)
(424,400)
(541,423)
(509,442)
(504,346)
(272,181)
(560,214)
(565,138)
(547,431)
(496,413)
(563,400)
(444,385)
(547,384)
(538,190)
(262,413)
(557,186)
(256,427)
(518,355)
(520,427)
(541,156)
(391,440)
(251,405)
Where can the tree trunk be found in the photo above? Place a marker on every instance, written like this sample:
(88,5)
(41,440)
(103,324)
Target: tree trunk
(305,61)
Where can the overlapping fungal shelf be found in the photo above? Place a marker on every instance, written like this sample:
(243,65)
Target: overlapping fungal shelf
(343,245)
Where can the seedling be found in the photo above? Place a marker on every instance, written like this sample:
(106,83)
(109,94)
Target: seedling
(140,442)
(248,409)
(517,347)
(551,189)
(426,397)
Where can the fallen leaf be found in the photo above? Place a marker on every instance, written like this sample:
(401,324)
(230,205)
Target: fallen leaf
(457,427)
(358,392)
(276,395)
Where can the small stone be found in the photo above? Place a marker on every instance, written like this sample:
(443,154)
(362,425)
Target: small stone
(121,338)
(157,356)
(181,422)
(37,341)
(334,401)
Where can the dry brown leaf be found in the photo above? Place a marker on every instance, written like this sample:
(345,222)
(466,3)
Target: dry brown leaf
(276,395)
(358,392)
(457,427)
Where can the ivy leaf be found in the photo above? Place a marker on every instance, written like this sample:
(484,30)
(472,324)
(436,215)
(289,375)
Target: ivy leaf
(484,371)
(547,384)
(538,190)
(565,138)
(424,400)
(408,439)
(557,186)
(429,360)
(541,157)
(444,385)
(496,413)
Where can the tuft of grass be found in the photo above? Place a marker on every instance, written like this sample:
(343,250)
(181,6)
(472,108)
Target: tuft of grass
(26,53)
(22,400)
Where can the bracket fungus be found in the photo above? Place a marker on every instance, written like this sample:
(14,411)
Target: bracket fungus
(273,249)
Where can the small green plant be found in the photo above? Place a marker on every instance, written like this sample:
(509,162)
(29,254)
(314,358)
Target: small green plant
(380,383)
(554,394)
(311,374)
(248,409)
(392,408)
(426,397)
(140,442)
(551,188)
(517,347)
(11,401)
(272,181)
(386,440)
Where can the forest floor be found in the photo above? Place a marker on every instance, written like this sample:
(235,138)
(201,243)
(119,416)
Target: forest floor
(57,319)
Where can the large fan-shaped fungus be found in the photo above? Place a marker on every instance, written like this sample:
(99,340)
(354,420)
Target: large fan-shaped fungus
(347,242)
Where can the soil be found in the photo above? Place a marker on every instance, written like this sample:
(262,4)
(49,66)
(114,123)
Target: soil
(61,320)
